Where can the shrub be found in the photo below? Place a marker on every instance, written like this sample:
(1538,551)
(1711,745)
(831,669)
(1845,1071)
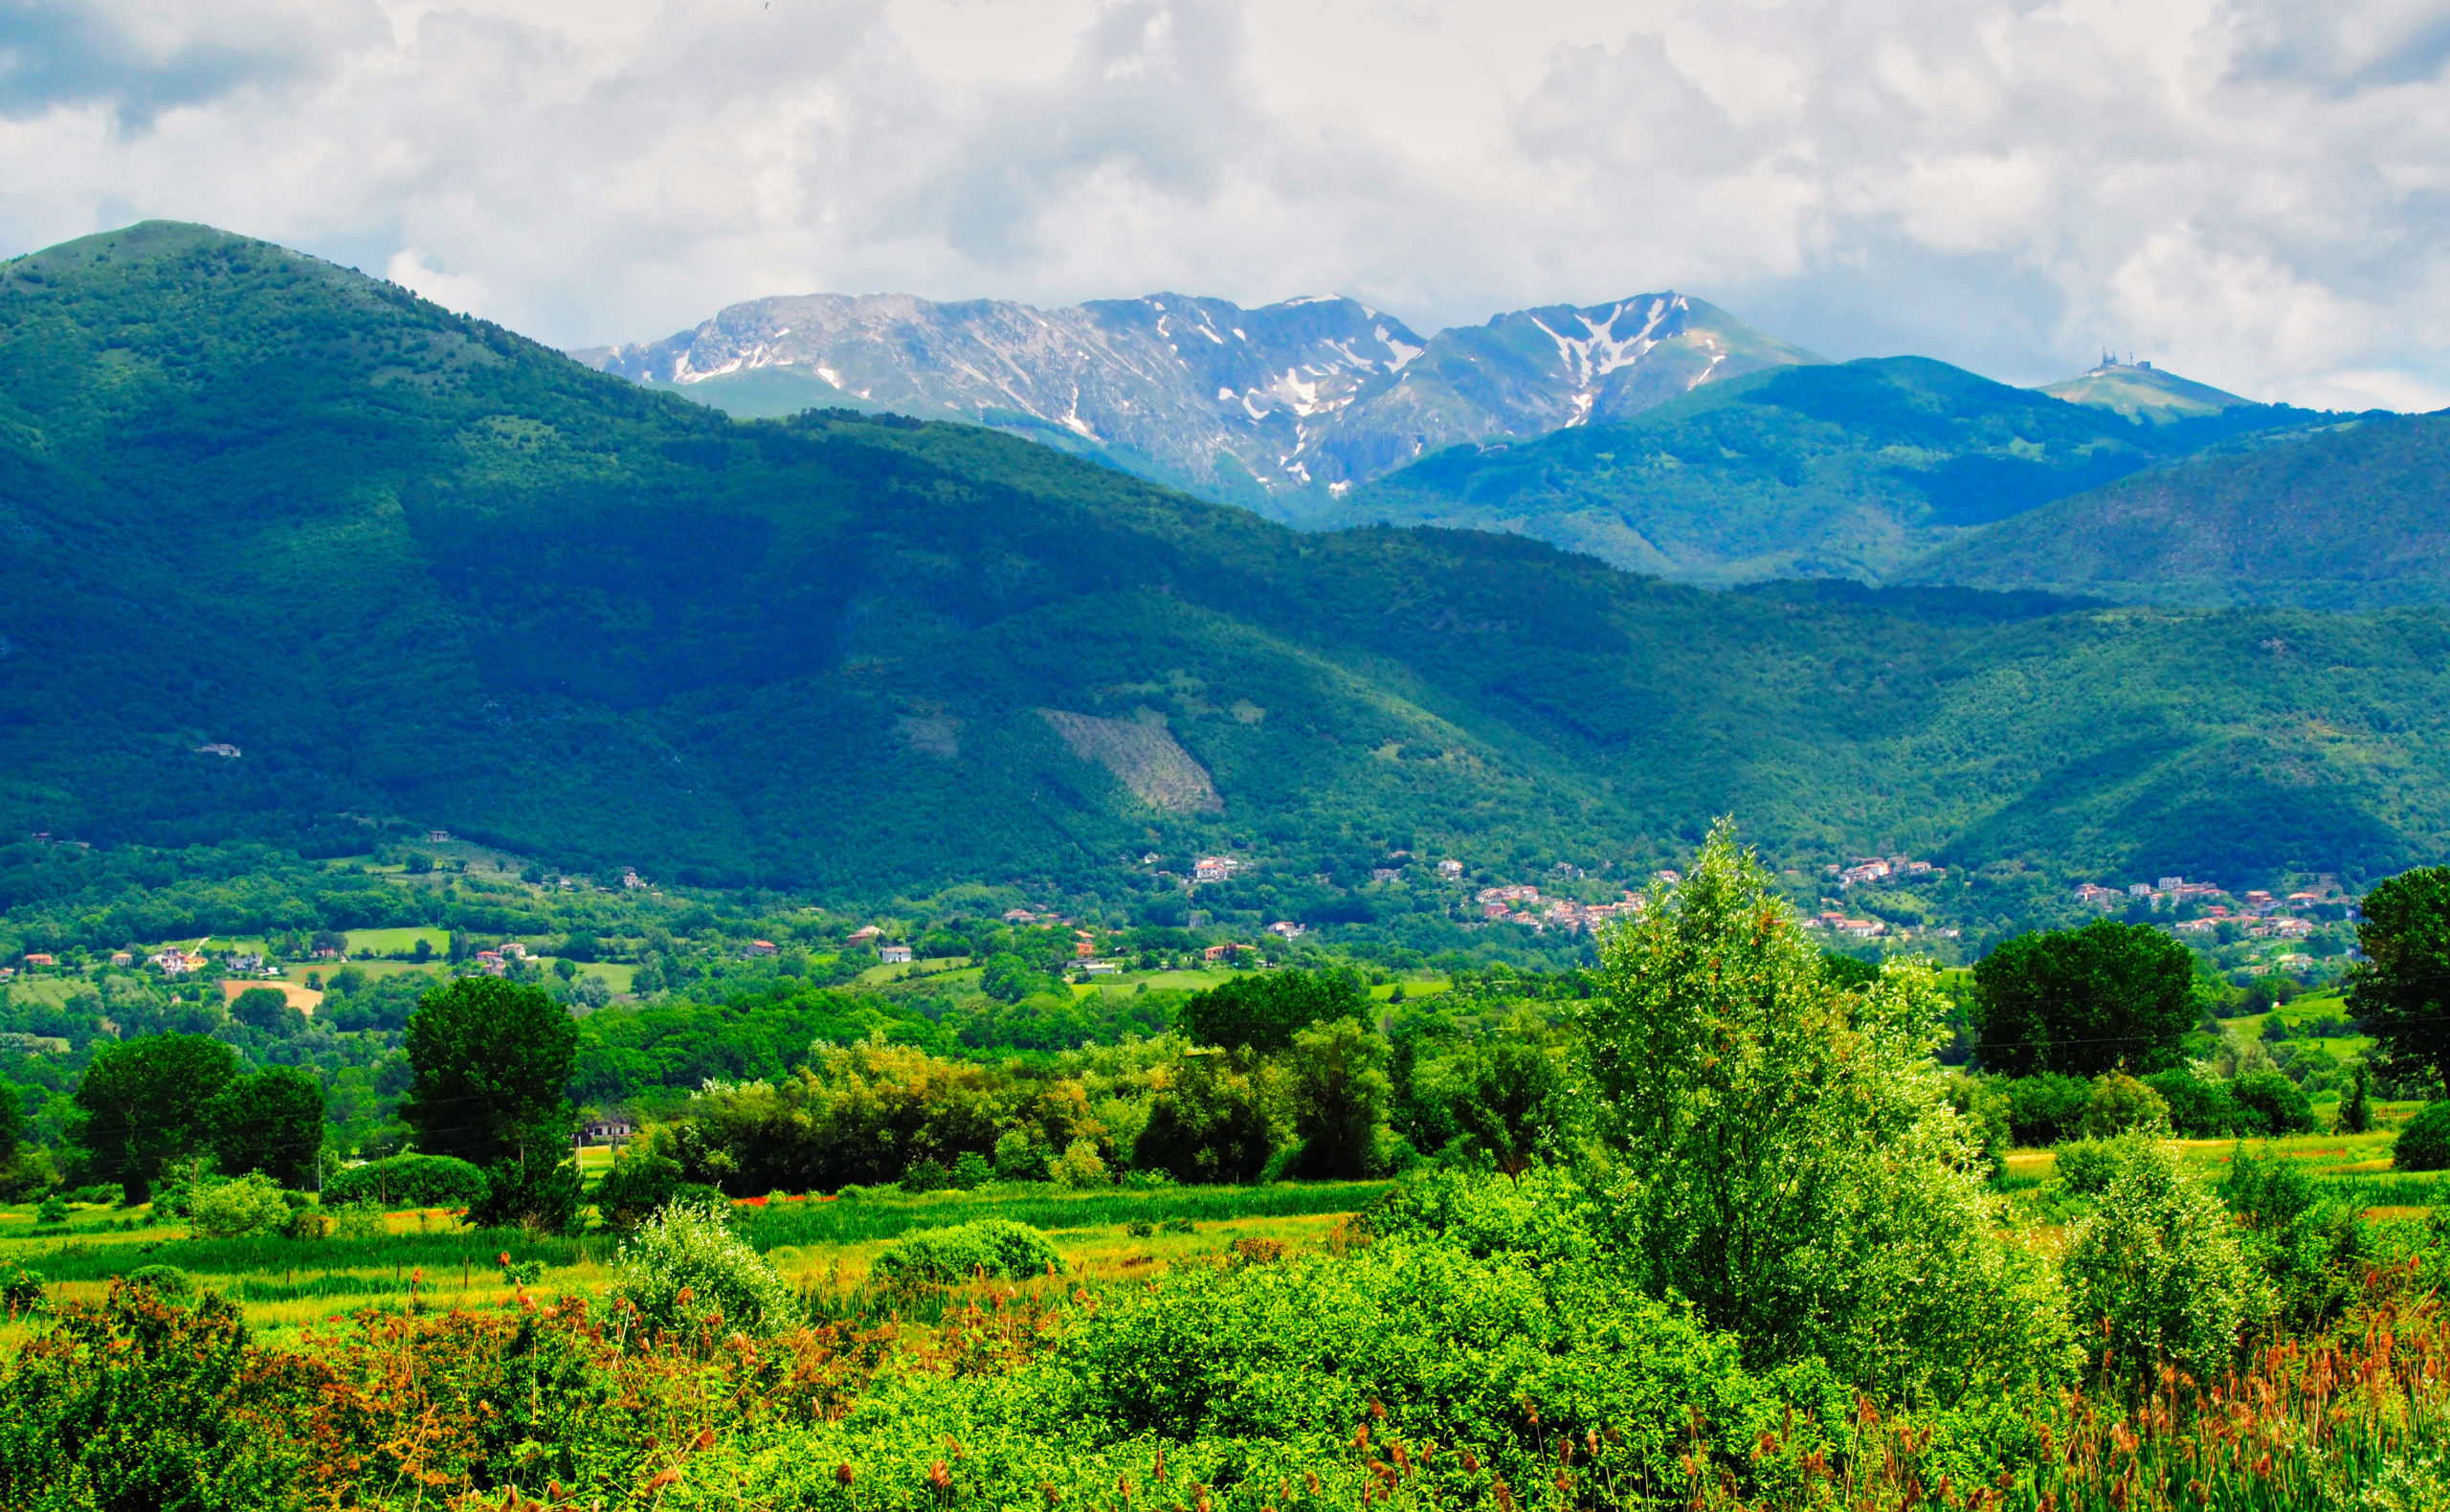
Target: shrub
(2424,1145)
(2156,1274)
(2273,1103)
(688,1250)
(995,1246)
(2268,1192)
(1019,1157)
(2198,1109)
(640,1184)
(535,1196)
(230,1210)
(357,1220)
(1078,1167)
(2045,1110)
(2120,1104)
(2355,1113)
(1140,1228)
(2088,1166)
(54,1209)
(927,1175)
(971,1171)
(20,1290)
(162,1280)
(407,1181)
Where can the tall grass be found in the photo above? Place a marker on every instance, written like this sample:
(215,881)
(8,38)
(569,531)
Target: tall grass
(261,1255)
(887,1215)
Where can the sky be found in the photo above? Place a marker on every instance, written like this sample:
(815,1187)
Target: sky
(2251,193)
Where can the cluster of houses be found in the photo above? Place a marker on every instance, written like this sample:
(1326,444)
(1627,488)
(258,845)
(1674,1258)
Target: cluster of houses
(1863,869)
(2258,913)
(1836,921)
(497,963)
(1519,904)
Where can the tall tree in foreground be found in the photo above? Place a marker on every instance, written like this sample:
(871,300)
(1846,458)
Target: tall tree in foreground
(1792,1162)
(2084,1001)
(2400,992)
(146,1102)
(491,1062)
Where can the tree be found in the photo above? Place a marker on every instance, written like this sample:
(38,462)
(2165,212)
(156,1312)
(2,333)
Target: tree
(270,1120)
(12,1123)
(266,1009)
(1263,1012)
(2084,1001)
(1503,1096)
(490,1062)
(1207,1125)
(2400,992)
(1789,1158)
(1340,1095)
(146,1102)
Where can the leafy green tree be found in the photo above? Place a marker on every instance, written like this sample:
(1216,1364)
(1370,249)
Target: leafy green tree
(265,1009)
(146,1102)
(2156,1271)
(1208,1124)
(1503,1096)
(270,1120)
(1790,1160)
(2120,1104)
(491,1065)
(2400,992)
(14,1123)
(1263,1012)
(2084,1001)
(2355,1113)
(1340,1092)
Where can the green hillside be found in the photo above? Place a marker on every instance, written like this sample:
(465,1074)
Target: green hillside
(2353,516)
(416,570)
(2142,393)
(1845,469)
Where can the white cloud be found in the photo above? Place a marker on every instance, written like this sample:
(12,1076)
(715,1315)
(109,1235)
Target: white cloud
(2252,191)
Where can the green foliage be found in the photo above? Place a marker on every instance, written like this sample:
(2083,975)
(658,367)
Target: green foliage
(270,1120)
(995,1247)
(2355,1113)
(2088,1166)
(1079,1167)
(1339,1088)
(230,1210)
(1792,1163)
(2044,1110)
(1265,1013)
(640,1184)
(2425,1144)
(2154,1272)
(2198,1109)
(2120,1104)
(140,1404)
(2272,1104)
(266,1009)
(407,1181)
(21,1292)
(2106,998)
(1208,1124)
(540,1195)
(2400,992)
(491,1061)
(1503,1096)
(162,1280)
(146,1102)
(685,1266)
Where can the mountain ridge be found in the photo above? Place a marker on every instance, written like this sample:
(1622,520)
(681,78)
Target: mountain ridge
(1264,407)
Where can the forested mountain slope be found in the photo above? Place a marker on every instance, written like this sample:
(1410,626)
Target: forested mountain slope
(1280,407)
(411,566)
(1846,470)
(2353,516)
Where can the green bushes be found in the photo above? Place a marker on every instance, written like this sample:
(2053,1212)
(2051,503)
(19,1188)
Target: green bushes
(407,1181)
(2042,1110)
(2156,1274)
(2424,1145)
(685,1266)
(993,1246)
(230,1210)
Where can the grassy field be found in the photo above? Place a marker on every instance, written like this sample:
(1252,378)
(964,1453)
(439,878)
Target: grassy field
(427,1258)
(397,942)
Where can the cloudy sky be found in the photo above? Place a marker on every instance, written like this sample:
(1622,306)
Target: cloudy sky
(2251,191)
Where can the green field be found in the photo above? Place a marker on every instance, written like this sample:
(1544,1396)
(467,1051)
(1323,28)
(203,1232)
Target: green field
(397,942)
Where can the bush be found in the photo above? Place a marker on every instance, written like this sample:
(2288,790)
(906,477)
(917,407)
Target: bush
(54,1209)
(540,1198)
(2198,1109)
(1078,1167)
(162,1280)
(995,1246)
(971,1171)
(357,1220)
(2154,1272)
(2273,1103)
(640,1184)
(20,1290)
(2120,1104)
(2088,1166)
(688,1250)
(407,1181)
(230,1210)
(2424,1145)
(2045,1110)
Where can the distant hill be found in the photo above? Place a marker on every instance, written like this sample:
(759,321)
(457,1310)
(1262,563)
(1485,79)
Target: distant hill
(2354,515)
(1268,407)
(2142,393)
(287,553)
(1847,470)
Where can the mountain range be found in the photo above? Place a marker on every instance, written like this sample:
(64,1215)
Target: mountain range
(1657,432)
(287,553)
(1282,407)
